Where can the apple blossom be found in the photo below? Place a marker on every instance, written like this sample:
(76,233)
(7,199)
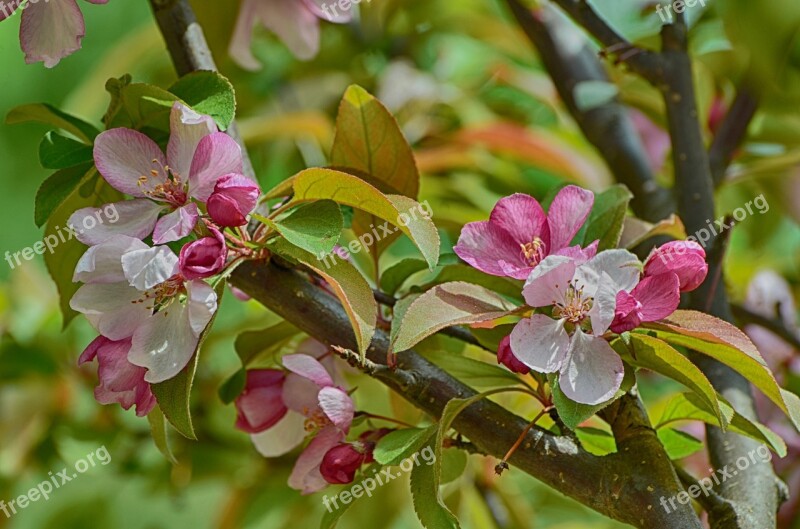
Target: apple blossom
(234,197)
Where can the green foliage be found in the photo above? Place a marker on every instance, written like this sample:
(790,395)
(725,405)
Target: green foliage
(208,93)
(55,190)
(607,218)
(314,227)
(49,115)
(59,152)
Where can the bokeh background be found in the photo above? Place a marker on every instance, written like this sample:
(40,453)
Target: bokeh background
(485,121)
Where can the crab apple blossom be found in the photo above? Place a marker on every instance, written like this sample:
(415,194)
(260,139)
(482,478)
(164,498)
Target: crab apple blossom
(197,156)
(315,406)
(204,257)
(234,197)
(583,299)
(260,405)
(134,291)
(686,259)
(519,235)
(50,29)
(120,381)
(652,299)
(295,22)
(507,358)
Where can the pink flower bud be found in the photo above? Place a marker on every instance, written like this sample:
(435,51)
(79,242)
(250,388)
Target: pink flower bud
(261,405)
(234,197)
(507,358)
(686,259)
(204,257)
(340,463)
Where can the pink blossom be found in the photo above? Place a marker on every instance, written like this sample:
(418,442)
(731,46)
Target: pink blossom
(260,406)
(295,22)
(120,381)
(197,156)
(570,343)
(50,29)
(132,291)
(518,234)
(204,257)
(234,197)
(507,358)
(653,299)
(686,259)
(315,407)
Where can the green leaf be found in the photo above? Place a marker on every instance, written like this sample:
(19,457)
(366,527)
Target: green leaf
(398,313)
(250,345)
(690,407)
(403,212)
(55,190)
(393,277)
(445,305)
(398,445)
(314,227)
(349,286)
(158,429)
(474,373)
(49,115)
(138,105)
(428,505)
(454,461)
(174,395)
(727,344)
(233,386)
(67,250)
(332,515)
(596,441)
(574,413)
(679,444)
(467,274)
(58,151)
(636,231)
(208,93)
(369,140)
(654,354)
(607,218)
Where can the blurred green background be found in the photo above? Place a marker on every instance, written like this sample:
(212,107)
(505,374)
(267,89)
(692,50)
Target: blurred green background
(463,82)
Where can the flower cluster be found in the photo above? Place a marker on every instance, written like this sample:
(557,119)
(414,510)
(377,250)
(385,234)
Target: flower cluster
(150,305)
(578,295)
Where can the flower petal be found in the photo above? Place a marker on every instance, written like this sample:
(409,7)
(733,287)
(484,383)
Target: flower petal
(659,295)
(260,406)
(567,213)
(103,263)
(686,259)
(9,8)
(605,301)
(522,217)
(122,156)
(593,372)
(293,23)
(149,267)
(541,343)
(51,30)
(301,394)
(240,48)
(201,305)
(111,308)
(133,218)
(287,434)
(176,225)
(548,281)
(306,476)
(164,343)
(326,10)
(187,128)
(338,406)
(216,155)
(622,267)
(308,367)
(486,247)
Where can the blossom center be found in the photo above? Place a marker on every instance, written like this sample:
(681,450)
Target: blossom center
(575,306)
(169,187)
(163,294)
(533,252)
(315,420)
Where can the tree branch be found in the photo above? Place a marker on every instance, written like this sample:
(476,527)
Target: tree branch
(732,131)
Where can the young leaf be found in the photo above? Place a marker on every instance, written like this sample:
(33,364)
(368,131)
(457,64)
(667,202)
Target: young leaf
(348,284)
(445,305)
(314,227)
(574,413)
(249,345)
(158,429)
(607,217)
(403,212)
(398,445)
(49,115)
(174,395)
(393,277)
(654,354)
(730,346)
(56,189)
(208,93)
(57,151)
(233,386)
(596,441)
(427,499)
(679,444)
(474,373)
(334,512)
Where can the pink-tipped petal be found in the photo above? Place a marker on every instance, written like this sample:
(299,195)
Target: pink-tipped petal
(338,406)
(567,213)
(103,263)
(51,30)
(659,295)
(548,281)
(281,438)
(306,476)
(309,368)
(240,48)
(687,259)
(132,218)
(216,156)
(112,309)
(260,406)
(149,267)
(293,23)
(123,156)
(187,128)
(176,225)
(593,372)
(541,343)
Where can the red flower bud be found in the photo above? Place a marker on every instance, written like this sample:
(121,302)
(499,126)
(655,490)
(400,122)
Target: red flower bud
(204,257)
(234,197)
(506,357)
(340,463)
